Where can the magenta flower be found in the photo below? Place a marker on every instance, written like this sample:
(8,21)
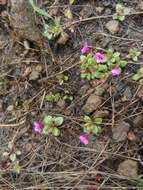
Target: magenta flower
(38,127)
(84,138)
(100,81)
(115,71)
(100,58)
(85,48)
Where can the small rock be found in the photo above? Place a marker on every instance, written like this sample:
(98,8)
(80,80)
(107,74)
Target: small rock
(127,93)
(138,122)
(92,104)
(83,89)
(99,10)
(39,68)
(113,26)
(34,75)
(108,11)
(100,89)
(1,105)
(101,113)
(63,39)
(140,92)
(129,169)
(86,11)
(61,103)
(107,3)
(132,137)
(140,5)
(120,131)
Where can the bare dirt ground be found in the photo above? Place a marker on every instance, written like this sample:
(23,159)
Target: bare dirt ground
(29,66)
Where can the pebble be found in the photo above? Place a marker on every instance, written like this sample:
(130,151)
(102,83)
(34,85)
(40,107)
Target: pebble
(92,104)
(63,39)
(34,75)
(127,93)
(101,114)
(132,137)
(138,122)
(120,131)
(113,26)
(128,168)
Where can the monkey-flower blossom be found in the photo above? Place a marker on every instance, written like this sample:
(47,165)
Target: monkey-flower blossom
(38,127)
(85,48)
(84,138)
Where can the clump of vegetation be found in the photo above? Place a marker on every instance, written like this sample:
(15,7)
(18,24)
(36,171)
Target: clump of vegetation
(52,97)
(133,55)
(121,12)
(62,78)
(139,76)
(49,126)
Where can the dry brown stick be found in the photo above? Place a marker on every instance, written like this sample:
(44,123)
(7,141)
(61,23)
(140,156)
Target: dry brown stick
(14,124)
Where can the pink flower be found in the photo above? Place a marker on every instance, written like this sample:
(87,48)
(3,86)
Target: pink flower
(38,127)
(85,48)
(84,138)
(100,58)
(115,71)
(100,81)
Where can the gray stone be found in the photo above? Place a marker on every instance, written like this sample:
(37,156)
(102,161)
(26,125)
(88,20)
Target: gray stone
(113,26)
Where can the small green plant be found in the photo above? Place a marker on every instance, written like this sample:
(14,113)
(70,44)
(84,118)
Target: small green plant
(121,12)
(100,65)
(92,126)
(133,55)
(139,76)
(61,78)
(52,97)
(51,125)
(50,31)
(12,108)
(12,154)
(68,95)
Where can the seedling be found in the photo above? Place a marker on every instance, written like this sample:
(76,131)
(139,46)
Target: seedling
(139,76)
(12,108)
(62,78)
(12,154)
(51,125)
(50,31)
(68,96)
(52,97)
(121,12)
(92,126)
(133,55)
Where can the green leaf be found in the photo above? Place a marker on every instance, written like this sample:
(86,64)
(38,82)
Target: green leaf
(97,74)
(116,54)
(98,120)
(70,98)
(141,81)
(87,128)
(66,78)
(49,97)
(123,63)
(83,75)
(88,76)
(13,157)
(115,16)
(141,70)
(136,77)
(95,129)
(135,58)
(46,129)
(56,131)
(112,60)
(59,120)
(126,11)
(82,57)
(138,53)
(87,118)
(16,168)
(72,1)
(57,96)
(121,18)
(48,119)
(18,152)
(102,67)
(119,7)
(10,107)
(68,14)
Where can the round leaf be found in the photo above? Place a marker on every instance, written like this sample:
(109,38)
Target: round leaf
(47,119)
(87,118)
(59,120)
(56,132)
(87,128)
(98,120)
(13,157)
(95,129)
(136,77)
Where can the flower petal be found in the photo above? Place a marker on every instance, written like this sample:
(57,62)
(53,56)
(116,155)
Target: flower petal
(84,139)
(115,71)
(85,48)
